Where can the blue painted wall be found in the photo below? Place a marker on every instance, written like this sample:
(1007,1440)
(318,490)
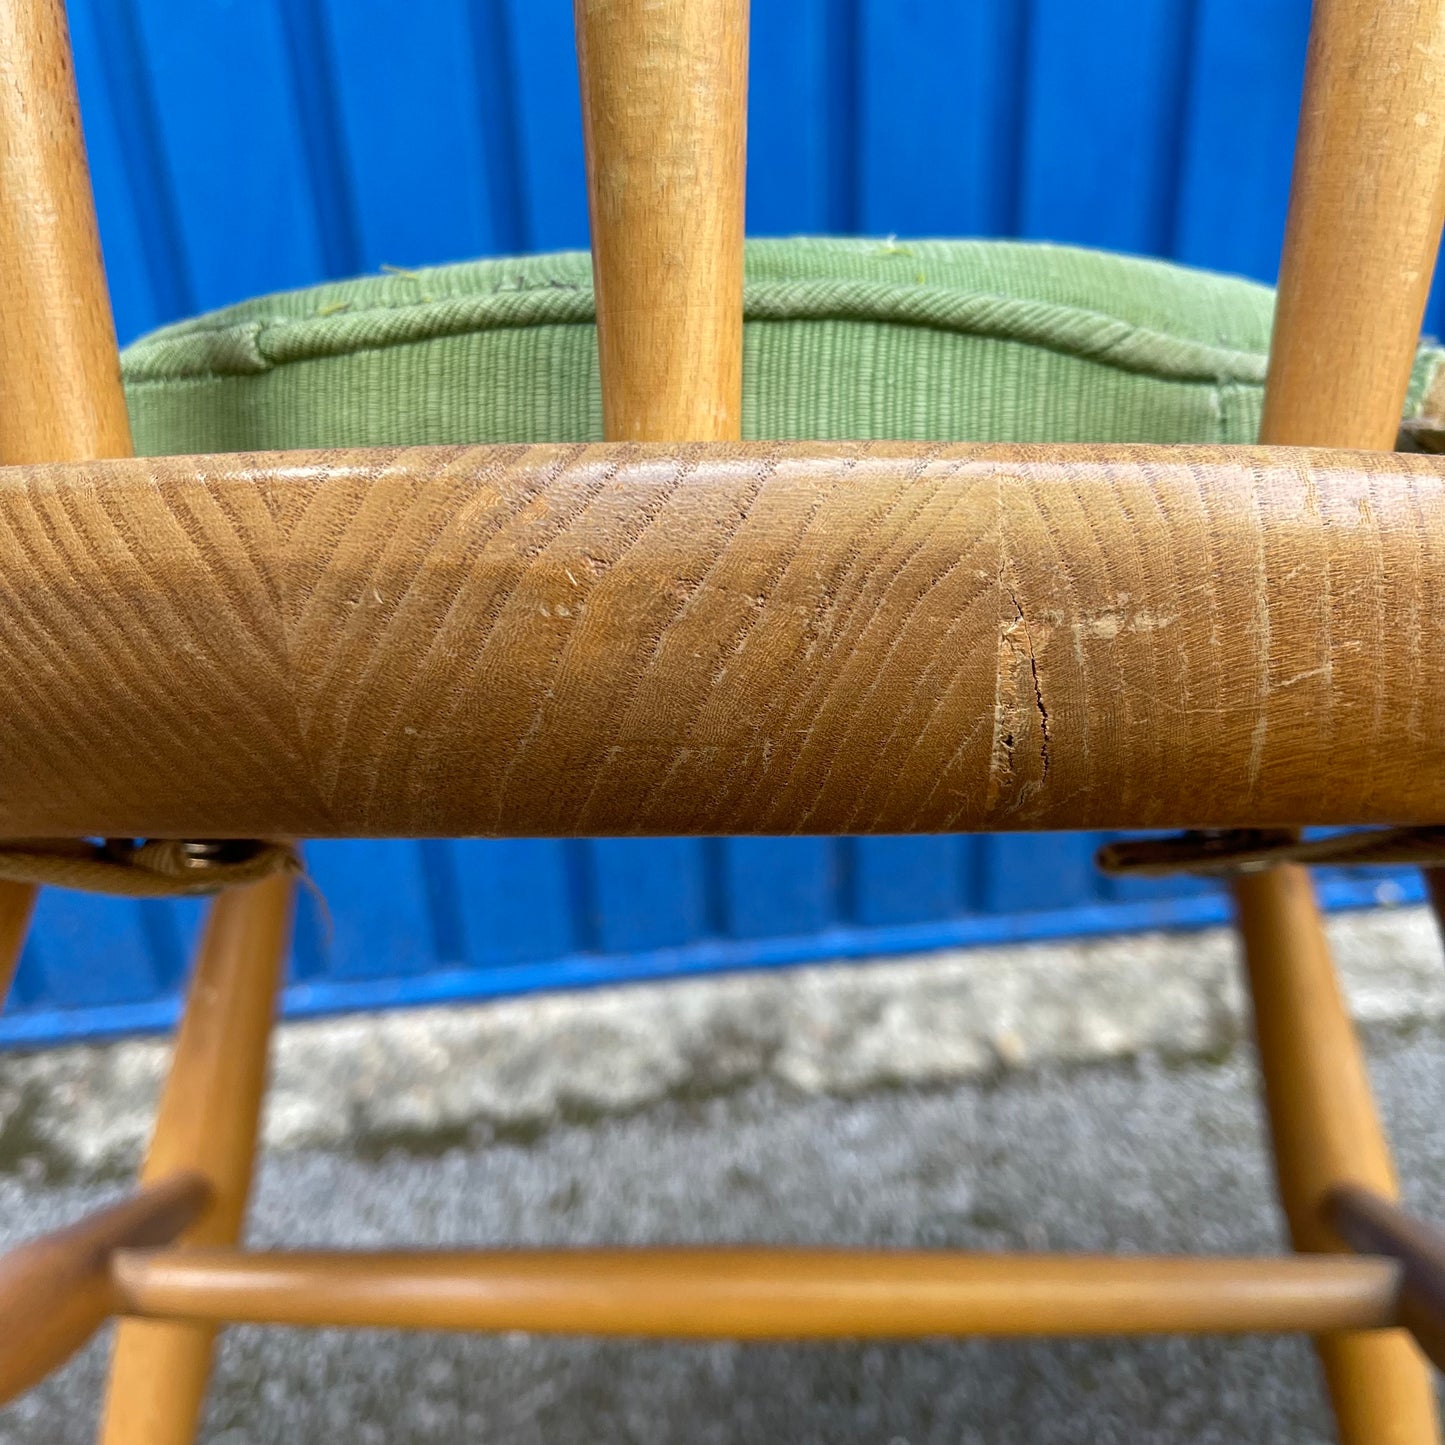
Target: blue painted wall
(241,146)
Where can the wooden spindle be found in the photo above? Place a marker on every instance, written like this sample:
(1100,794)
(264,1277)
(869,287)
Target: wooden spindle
(664,113)
(207,1123)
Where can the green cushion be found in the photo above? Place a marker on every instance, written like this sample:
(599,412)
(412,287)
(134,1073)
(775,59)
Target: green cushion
(951,340)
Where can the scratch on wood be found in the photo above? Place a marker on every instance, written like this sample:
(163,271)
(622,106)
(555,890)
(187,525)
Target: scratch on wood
(1017,646)
(1038,686)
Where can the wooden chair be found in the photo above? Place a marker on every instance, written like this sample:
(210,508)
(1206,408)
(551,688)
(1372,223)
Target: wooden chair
(181,651)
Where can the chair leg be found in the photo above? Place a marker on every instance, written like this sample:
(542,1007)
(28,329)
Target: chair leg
(17,902)
(1326,1132)
(207,1122)
(1435,886)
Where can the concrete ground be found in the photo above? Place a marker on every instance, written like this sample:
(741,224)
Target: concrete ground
(1149,1147)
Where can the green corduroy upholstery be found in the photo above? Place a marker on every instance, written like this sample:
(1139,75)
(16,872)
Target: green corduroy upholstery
(950,340)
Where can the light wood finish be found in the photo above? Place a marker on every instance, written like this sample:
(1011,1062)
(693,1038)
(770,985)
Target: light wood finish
(1364,225)
(757,1294)
(664,107)
(753,637)
(1326,1130)
(207,1122)
(1375,1226)
(60,391)
(56,1291)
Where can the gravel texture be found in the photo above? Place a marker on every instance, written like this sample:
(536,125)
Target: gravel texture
(1139,1156)
(1092,1097)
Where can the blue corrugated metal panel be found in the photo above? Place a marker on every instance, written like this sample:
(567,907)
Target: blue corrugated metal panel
(940,106)
(238,148)
(233,142)
(800,115)
(1246,70)
(242,148)
(546,125)
(1107,95)
(37,1017)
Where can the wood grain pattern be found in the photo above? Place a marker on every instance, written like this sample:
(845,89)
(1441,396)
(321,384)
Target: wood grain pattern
(1365,212)
(1376,1226)
(735,638)
(664,110)
(1366,206)
(207,1124)
(1326,1129)
(758,1294)
(60,390)
(56,1291)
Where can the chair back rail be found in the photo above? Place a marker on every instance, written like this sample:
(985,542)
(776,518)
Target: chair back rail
(741,637)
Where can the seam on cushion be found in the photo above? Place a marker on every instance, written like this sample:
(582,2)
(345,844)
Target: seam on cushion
(1070,330)
(258,344)
(215,323)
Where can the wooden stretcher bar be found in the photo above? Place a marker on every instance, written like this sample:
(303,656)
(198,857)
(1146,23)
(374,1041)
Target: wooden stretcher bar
(761,1294)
